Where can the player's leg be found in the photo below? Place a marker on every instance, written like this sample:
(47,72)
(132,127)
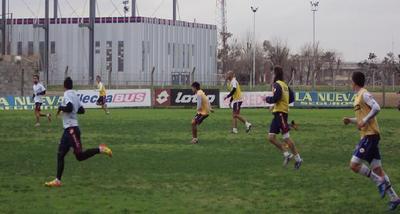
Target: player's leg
(292,147)
(80,155)
(365,151)
(240,117)
(37,114)
(234,118)
(194,131)
(63,149)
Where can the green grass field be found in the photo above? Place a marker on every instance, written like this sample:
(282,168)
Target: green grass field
(156,170)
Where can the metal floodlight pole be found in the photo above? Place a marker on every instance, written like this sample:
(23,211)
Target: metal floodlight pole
(55,9)
(254,9)
(3,27)
(133,8)
(90,26)
(314,9)
(174,9)
(45,26)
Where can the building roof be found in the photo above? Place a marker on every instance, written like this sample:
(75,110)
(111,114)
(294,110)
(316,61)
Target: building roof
(108,20)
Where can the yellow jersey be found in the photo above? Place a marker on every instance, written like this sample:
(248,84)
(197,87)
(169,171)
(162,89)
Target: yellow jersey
(361,110)
(203,107)
(282,105)
(237,96)
(102,89)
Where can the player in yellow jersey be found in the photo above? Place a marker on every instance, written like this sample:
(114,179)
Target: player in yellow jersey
(282,97)
(102,101)
(203,110)
(236,100)
(367,150)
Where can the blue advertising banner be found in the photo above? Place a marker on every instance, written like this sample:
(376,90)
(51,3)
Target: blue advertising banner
(324,99)
(26,102)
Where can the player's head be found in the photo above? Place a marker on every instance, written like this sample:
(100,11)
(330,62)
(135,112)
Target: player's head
(278,73)
(35,78)
(195,86)
(98,78)
(229,75)
(68,84)
(358,80)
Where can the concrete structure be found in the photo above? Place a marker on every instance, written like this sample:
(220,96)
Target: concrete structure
(126,49)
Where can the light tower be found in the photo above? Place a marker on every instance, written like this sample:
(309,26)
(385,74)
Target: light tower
(314,9)
(222,33)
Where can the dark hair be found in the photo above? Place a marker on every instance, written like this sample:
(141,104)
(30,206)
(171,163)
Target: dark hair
(68,84)
(99,77)
(358,78)
(35,75)
(278,72)
(196,85)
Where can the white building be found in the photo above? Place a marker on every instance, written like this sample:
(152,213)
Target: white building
(127,47)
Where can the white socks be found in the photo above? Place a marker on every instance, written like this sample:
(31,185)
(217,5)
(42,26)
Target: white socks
(390,191)
(297,158)
(286,154)
(234,130)
(247,124)
(364,170)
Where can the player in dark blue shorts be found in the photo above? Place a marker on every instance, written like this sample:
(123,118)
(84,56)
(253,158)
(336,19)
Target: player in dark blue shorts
(367,150)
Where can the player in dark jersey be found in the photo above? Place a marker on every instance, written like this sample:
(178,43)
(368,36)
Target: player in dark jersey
(282,97)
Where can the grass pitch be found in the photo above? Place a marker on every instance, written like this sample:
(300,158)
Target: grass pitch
(156,170)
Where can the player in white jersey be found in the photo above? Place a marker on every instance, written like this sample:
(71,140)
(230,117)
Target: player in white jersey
(38,91)
(71,138)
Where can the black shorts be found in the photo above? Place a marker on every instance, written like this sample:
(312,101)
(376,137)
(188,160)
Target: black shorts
(236,107)
(37,106)
(368,148)
(71,138)
(101,101)
(199,118)
(279,123)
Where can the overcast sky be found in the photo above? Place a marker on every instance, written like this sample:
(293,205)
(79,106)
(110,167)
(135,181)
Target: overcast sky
(352,27)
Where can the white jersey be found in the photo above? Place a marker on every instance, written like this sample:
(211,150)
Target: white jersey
(37,89)
(70,119)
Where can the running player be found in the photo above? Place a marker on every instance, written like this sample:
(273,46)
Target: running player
(282,97)
(366,109)
(71,138)
(203,110)
(236,101)
(102,101)
(38,91)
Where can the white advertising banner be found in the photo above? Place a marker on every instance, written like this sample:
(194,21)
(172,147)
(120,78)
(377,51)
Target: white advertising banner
(250,99)
(117,98)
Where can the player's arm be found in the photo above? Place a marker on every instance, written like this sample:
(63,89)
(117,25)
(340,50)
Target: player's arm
(277,89)
(68,108)
(199,100)
(230,93)
(291,95)
(348,120)
(375,109)
(42,90)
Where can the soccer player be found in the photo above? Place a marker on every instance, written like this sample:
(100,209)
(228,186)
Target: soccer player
(203,110)
(102,95)
(282,97)
(38,91)
(71,138)
(366,109)
(236,101)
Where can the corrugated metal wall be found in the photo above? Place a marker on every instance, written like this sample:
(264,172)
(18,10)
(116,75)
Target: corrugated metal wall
(129,50)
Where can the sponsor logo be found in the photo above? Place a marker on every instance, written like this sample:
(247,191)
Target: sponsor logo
(185,97)
(129,97)
(362,150)
(182,98)
(162,97)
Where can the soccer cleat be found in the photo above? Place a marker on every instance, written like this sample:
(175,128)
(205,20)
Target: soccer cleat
(37,124)
(297,165)
(287,159)
(382,189)
(195,141)
(107,113)
(104,149)
(394,204)
(248,127)
(234,131)
(53,183)
(48,117)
